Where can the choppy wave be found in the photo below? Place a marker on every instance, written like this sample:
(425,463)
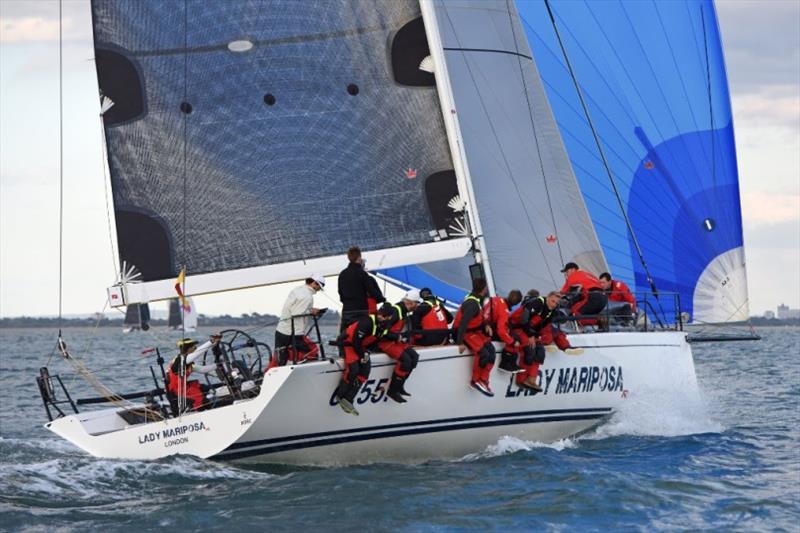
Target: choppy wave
(68,474)
(725,461)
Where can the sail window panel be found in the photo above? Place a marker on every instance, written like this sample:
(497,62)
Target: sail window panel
(238,182)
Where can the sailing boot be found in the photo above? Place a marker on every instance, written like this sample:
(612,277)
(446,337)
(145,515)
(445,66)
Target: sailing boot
(395,387)
(508,362)
(530,383)
(347,393)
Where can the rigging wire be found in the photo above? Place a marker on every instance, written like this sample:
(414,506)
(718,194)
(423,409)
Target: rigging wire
(106,179)
(535,135)
(182,398)
(710,112)
(710,101)
(635,241)
(60,163)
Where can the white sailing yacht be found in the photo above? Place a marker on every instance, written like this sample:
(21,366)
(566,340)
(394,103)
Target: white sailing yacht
(252,143)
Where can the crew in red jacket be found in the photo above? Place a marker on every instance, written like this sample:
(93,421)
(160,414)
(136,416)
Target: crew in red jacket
(617,291)
(591,298)
(532,321)
(189,394)
(495,315)
(471,332)
(357,338)
(430,321)
(393,345)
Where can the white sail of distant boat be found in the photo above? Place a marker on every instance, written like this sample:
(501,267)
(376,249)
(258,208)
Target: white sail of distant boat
(182,318)
(254,143)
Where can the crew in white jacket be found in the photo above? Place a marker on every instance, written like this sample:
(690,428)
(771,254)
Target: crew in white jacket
(290,335)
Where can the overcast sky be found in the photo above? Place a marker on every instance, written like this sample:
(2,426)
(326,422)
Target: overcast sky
(762,49)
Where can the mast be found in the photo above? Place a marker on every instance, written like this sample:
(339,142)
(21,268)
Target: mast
(454,138)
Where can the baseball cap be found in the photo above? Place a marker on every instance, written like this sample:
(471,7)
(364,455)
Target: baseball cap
(319,278)
(568,266)
(412,295)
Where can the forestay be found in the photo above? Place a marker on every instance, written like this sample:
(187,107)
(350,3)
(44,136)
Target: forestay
(653,77)
(254,142)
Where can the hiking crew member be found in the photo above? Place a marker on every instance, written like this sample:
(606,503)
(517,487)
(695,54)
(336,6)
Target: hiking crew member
(532,321)
(189,393)
(432,319)
(592,300)
(471,332)
(359,336)
(496,315)
(291,341)
(617,291)
(393,345)
(358,291)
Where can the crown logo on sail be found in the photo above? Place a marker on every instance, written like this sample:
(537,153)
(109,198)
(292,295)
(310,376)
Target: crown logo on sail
(411,173)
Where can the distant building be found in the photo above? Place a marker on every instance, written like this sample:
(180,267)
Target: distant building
(784,313)
(769,314)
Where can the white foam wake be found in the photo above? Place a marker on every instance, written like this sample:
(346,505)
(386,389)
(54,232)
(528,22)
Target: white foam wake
(659,413)
(508,445)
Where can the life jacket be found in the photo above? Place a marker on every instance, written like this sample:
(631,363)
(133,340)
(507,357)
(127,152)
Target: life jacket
(174,379)
(369,340)
(435,318)
(397,327)
(541,318)
(476,323)
(520,318)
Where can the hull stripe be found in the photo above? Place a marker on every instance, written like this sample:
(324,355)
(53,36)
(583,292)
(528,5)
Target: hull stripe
(328,438)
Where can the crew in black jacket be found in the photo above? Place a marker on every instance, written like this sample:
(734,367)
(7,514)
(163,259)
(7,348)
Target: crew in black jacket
(358,291)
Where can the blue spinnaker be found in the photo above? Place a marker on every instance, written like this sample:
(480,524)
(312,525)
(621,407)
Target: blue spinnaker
(653,78)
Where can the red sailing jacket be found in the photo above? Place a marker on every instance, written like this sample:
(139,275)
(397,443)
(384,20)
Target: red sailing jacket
(532,316)
(362,334)
(495,313)
(621,293)
(585,280)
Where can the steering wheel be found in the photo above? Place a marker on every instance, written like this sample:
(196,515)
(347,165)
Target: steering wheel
(235,349)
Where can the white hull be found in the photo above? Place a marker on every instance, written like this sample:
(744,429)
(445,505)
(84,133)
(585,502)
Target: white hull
(294,419)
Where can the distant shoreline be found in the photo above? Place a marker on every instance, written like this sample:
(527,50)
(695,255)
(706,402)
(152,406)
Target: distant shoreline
(203,321)
(331,318)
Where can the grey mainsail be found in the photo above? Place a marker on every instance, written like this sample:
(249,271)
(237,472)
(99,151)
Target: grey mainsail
(245,134)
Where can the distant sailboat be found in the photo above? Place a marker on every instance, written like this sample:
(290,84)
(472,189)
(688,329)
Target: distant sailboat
(137,317)
(182,318)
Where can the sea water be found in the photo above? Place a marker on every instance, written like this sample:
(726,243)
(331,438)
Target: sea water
(728,462)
